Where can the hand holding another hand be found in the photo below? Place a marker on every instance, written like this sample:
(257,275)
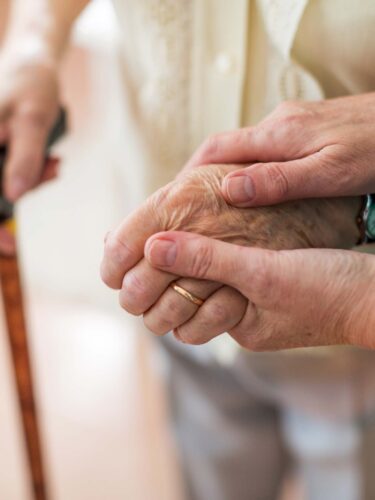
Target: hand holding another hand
(295,298)
(194,203)
(301,150)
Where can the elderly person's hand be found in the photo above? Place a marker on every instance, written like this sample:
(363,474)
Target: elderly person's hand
(194,203)
(293,298)
(29,103)
(302,150)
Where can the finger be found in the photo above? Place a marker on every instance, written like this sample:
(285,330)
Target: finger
(124,247)
(172,310)
(195,256)
(142,286)
(219,313)
(28,136)
(7,241)
(51,169)
(272,183)
(4,133)
(247,332)
(235,146)
(247,145)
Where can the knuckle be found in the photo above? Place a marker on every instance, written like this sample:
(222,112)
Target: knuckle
(170,313)
(134,294)
(243,138)
(277,180)
(156,324)
(210,146)
(115,256)
(249,134)
(127,305)
(175,310)
(104,275)
(173,307)
(291,109)
(160,197)
(341,170)
(36,115)
(107,276)
(288,116)
(162,204)
(217,313)
(264,281)
(287,124)
(250,339)
(115,250)
(201,261)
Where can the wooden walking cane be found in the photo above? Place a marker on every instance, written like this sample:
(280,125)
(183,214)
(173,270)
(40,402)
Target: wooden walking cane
(18,337)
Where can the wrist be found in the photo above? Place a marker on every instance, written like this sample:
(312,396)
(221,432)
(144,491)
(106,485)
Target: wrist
(36,33)
(29,50)
(361,331)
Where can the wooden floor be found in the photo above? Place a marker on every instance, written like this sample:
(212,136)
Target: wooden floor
(103,412)
(102,409)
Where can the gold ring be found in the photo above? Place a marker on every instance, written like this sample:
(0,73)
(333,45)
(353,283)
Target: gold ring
(187,295)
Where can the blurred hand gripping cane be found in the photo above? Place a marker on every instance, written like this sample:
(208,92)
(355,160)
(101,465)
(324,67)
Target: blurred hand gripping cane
(11,288)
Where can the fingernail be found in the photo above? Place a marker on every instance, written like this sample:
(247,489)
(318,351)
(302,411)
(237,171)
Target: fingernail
(162,252)
(240,189)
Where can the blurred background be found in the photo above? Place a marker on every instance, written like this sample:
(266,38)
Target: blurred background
(102,411)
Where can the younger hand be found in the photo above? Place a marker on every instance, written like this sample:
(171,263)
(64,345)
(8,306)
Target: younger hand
(302,150)
(295,298)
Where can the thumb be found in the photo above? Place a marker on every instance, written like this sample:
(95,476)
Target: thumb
(272,183)
(268,278)
(51,169)
(194,256)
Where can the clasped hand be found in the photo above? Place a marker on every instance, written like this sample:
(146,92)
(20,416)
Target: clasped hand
(241,261)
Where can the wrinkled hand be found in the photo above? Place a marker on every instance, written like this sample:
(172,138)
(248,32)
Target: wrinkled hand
(295,298)
(29,102)
(302,150)
(194,203)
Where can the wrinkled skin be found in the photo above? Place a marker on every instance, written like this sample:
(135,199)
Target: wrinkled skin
(194,203)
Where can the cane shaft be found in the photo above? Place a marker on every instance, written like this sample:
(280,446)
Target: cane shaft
(17,334)
(16,326)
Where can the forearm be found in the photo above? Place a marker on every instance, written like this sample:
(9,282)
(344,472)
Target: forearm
(41,28)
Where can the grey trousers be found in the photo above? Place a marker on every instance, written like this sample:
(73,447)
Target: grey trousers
(239,428)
